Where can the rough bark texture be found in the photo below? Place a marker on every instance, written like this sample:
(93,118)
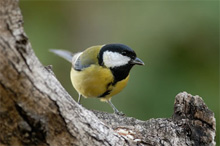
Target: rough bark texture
(36,110)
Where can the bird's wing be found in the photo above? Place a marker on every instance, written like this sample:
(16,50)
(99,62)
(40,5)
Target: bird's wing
(80,60)
(76,62)
(84,59)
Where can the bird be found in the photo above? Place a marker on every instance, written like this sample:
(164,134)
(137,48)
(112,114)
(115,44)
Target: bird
(100,71)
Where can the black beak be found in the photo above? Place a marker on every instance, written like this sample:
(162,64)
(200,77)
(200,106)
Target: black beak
(137,61)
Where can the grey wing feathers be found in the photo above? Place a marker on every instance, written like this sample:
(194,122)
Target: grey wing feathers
(76,62)
(64,54)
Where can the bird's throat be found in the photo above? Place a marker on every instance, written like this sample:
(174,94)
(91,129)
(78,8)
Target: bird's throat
(120,73)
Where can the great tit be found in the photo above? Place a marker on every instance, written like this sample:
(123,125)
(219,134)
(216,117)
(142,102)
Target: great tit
(100,71)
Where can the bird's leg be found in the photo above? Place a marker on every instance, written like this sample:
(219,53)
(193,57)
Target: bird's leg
(116,111)
(79,98)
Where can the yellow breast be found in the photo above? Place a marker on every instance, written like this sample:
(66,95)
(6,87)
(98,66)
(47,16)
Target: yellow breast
(96,80)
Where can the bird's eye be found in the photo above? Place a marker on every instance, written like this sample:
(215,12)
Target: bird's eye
(123,53)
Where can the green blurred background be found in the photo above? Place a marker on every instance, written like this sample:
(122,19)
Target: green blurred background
(177,40)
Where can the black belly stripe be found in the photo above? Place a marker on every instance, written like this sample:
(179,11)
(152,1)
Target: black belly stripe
(119,73)
(107,92)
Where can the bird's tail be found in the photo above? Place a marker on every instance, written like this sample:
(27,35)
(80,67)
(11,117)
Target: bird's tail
(63,53)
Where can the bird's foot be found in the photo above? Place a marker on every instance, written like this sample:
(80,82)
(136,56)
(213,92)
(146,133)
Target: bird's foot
(119,113)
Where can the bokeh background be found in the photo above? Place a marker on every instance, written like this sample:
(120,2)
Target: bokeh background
(177,40)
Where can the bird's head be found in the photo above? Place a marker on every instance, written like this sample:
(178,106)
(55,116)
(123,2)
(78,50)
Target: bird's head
(118,55)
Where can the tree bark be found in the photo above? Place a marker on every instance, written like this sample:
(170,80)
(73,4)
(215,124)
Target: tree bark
(36,110)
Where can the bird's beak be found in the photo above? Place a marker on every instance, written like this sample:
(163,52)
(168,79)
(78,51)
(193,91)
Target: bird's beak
(137,61)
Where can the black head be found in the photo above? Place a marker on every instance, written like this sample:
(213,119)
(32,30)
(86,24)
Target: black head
(119,58)
(115,55)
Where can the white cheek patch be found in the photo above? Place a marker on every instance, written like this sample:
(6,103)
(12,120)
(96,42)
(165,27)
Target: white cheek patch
(114,59)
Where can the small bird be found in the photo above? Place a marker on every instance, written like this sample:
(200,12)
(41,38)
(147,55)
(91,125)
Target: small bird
(100,71)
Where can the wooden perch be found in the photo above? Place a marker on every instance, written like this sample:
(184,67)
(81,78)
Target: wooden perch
(36,110)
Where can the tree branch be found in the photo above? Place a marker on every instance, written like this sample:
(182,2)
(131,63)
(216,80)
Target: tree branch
(36,110)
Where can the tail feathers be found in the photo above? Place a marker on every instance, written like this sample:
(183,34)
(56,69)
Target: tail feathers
(63,53)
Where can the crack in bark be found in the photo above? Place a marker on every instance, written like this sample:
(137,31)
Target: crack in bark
(38,131)
(20,49)
(8,89)
(4,43)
